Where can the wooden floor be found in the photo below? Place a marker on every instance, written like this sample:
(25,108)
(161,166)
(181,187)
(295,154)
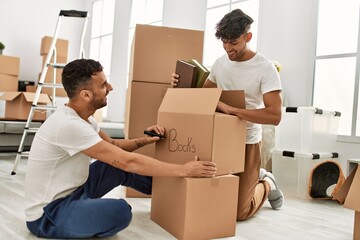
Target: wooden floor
(297,219)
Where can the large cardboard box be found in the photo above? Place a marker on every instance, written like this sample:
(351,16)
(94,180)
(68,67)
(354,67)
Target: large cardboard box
(196,208)
(16,105)
(156,49)
(9,65)
(142,105)
(8,82)
(61,46)
(59,59)
(147,150)
(193,128)
(349,194)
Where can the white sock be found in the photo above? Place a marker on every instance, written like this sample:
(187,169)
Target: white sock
(271,183)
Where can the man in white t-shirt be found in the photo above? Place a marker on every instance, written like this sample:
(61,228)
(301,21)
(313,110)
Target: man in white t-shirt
(63,190)
(243,69)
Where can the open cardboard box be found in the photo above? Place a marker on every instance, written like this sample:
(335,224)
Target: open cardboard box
(16,105)
(194,128)
(349,194)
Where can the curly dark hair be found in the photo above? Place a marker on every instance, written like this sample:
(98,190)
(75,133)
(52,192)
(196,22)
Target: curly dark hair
(77,74)
(233,25)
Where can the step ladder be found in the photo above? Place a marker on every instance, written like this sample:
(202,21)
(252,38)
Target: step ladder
(49,62)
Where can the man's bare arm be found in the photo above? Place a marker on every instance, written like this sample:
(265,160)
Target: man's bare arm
(144,165)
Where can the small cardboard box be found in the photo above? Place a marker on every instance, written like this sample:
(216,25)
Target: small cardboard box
(196,208)
(193,128)
(142,105)
(61,46)
(8,82)
(349,194)
(156,49)
(9,65)
(16,105)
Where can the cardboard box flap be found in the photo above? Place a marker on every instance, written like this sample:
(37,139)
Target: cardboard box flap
(192,101)
(343,191)
(234,98)
(9,96)
(352,198)
(29,97)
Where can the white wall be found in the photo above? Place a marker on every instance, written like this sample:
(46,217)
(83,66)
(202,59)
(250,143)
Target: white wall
(188,14)
(119,67)
(287,34)
(24,23)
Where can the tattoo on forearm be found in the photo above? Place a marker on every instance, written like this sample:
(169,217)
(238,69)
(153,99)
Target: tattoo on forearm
(139,144)
(115,163)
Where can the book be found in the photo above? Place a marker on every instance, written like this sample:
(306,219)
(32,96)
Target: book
(202,73)
(187,74)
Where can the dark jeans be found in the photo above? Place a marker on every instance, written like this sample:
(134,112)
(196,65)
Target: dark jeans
(84,213)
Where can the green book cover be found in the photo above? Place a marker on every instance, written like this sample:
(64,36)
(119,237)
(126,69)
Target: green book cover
(202,73)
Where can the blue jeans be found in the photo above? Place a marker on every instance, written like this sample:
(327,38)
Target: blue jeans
(84,213)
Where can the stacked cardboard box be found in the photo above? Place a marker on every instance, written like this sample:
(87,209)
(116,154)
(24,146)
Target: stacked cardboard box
(199,208)
(9,73)
(305,137)
(15,105)
(154,53)
(54,74)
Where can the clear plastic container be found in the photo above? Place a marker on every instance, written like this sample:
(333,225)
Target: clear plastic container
(292,170)
(307,129)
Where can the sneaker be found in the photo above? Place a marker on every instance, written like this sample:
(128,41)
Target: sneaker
(276,197)
(262,173)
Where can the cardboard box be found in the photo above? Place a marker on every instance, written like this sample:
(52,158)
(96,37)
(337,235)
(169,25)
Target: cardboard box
(30,88)
(142,105)
(9,65)
(196,208)
(349,194)
(8,82)
(155,51)
(61,46)
(59,59)
(132,193)
(49,78)
(16,105)
(193,128)
(148,150)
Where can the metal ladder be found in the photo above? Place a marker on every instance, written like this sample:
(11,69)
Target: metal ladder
(41,84)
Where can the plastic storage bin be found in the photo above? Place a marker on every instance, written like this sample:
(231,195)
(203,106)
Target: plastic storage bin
(292,170)
(307,129)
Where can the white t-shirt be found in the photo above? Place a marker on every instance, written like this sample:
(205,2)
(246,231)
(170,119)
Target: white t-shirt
(256,77)
(56,166)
